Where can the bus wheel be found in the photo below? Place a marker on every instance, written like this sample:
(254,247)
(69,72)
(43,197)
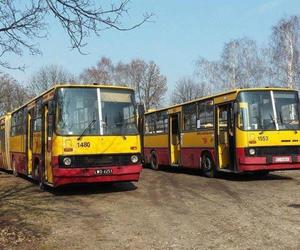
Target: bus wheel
(36,171)
(41,183)
(14,168)
(208,166)
(154,161)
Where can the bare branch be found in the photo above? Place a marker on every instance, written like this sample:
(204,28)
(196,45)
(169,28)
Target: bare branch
(48,76)
(12,94)
(79,18)
(186,89)
(145,78)
(23,22)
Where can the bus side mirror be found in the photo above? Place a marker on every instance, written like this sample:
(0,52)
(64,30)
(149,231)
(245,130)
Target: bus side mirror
(235,108)
(141,110)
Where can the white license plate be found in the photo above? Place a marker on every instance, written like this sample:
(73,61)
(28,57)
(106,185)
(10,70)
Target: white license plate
(282,159)
(104,171)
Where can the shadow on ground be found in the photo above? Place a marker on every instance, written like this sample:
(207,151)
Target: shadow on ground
(225,176)
(87,189)
(294,205)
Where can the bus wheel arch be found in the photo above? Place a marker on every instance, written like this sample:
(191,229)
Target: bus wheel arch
(154,160)
(208,165)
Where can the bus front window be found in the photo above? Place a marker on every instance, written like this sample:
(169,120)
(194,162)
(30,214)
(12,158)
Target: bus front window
(287,109)
(118,112)
(95,111)
(76,109)
(268,110)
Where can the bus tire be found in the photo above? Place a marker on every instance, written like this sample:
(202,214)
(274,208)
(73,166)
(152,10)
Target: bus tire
(14,168)
(41,183)
(153,161)
(36,172)
(208,166)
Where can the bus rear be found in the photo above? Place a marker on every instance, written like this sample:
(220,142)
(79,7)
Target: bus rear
(94,136)
(267,131)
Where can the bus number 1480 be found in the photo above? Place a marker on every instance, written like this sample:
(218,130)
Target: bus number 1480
(83,144)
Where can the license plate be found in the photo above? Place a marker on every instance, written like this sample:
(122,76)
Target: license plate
(104,171)
(282,159)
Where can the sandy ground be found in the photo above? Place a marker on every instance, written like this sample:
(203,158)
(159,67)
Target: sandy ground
(170,209)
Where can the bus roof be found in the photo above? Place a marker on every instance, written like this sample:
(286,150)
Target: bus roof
(218,95)
(56,86)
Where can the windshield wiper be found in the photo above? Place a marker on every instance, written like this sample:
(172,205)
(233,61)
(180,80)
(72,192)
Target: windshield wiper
(272,119)
(280,116)
(88,126)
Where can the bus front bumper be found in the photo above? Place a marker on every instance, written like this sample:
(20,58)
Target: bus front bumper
(63,176)
(269,163)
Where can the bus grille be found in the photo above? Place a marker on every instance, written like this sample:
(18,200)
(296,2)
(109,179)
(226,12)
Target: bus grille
(283,150)
(98,160)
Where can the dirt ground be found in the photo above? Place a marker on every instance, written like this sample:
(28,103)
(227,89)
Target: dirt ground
(170,209)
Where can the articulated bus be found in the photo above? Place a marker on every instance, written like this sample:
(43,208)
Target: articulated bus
(4,142)
(244,130)
(74,134)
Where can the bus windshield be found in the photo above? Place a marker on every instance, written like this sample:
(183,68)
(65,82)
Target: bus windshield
(268,110)
(95,111)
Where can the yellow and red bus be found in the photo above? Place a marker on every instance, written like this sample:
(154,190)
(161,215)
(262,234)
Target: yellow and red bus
(4,142)
(243,130)
(75,134)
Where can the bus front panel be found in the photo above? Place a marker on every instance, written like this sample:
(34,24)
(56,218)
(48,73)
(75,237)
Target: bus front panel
(268,132)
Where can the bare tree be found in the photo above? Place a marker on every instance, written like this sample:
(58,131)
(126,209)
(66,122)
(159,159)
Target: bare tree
(186,89)
(22,22)
(102,73)
(242,65)
(149,83)
(210,75)
(122,74)
(230,64)
(12,94)
(285,48)
(48,76)
(137,72)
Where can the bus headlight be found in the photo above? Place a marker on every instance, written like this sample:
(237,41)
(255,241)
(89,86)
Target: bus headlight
(67,161)
(134,158)
(252,151)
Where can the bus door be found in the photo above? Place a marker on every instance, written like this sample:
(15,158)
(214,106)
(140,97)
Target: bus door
(2,146)
(225,136)
(174,138)
(47,120)
(29,142)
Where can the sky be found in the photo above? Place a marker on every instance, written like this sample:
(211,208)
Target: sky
(179,33)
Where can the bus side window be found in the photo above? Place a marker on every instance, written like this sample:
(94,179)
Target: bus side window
(189,117)
(150,123)
(205,115)
(161,122)
(243,113)
(37,119)
(50,118)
